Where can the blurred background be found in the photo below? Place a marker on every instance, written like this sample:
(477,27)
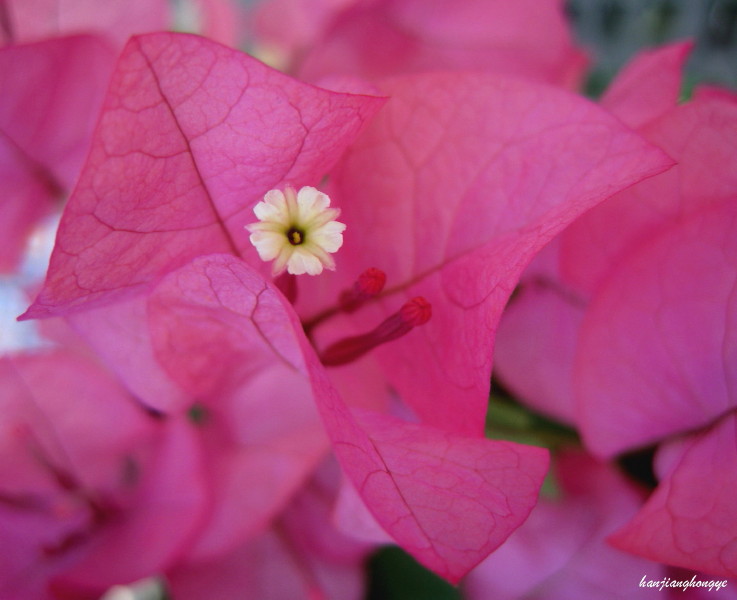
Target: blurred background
(614,30)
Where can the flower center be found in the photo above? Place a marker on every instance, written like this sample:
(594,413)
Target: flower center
(295,236)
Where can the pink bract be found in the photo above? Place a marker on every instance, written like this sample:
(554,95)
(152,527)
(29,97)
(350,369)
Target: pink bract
(698,483)
(481,177)
(410,475)
(148,202)
(561,552)
(52,92)
(200,363)
(586,251)
(660,329)
(649,86)
(537,337)
(300,556)
(644,287)
(215,332)
(172,500)
(699,135)
(119,334)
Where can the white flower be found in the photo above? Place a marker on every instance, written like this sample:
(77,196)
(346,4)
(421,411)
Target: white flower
(297,230)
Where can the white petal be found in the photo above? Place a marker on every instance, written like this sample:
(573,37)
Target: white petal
(291,206)
(325,258)
(303,261)
(268,244)
(329,237)
(273,207)
(269,226)
(312,204)
(321,218)
(282,260)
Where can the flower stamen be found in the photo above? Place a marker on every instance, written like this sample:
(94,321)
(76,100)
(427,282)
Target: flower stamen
(369,284)
(413,313)
(295,236)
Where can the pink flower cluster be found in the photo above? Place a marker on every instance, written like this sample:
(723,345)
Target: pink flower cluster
(194,422)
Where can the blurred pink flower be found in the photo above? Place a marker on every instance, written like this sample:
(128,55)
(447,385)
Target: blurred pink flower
(24,21)
(374,39)
(87,474)
(629,320)
(301,555)
(689,519)
(117,20)
(52,92)
(93,476)
(561,552)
